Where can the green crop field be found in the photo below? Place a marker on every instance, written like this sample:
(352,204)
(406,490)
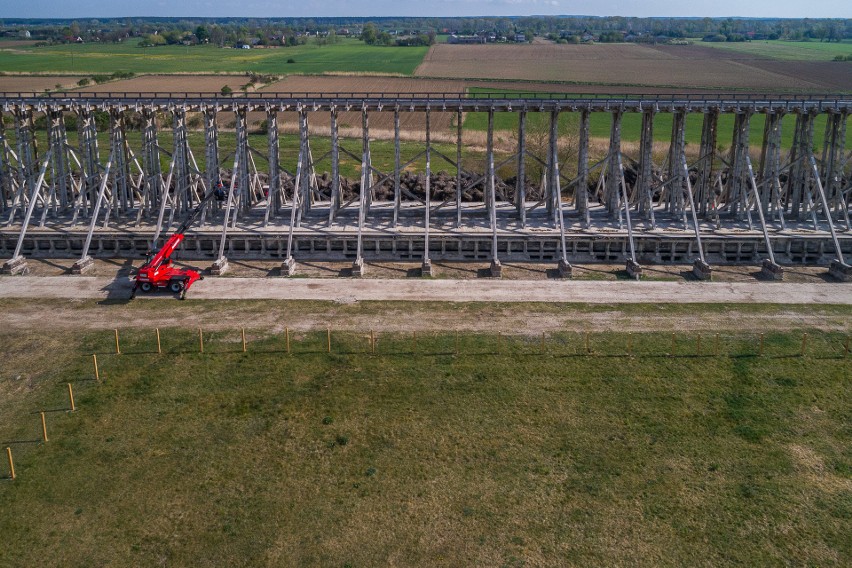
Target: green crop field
(349,55)
(789,50)
(448,452)
(631,125)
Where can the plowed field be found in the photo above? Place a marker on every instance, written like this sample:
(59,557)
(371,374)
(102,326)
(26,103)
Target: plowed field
(16,83)
(620,64)
(170,84)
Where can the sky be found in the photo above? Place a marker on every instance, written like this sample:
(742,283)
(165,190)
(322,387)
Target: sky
(372,8)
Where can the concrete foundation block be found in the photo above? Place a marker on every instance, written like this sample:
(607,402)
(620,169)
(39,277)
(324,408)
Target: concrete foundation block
(83,265)
(634,269)
(496,269)
(702,270)
(358,268)
(565,269)
(288,267)
(771,270)
(17,265)
(840,271)
(426,268)
(219,267)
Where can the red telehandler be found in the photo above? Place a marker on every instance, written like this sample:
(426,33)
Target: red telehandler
(158,272)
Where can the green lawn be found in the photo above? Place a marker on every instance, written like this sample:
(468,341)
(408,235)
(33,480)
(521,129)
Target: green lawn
(631,125)
(381,151)
(347,56)
(497,456)
(789,50)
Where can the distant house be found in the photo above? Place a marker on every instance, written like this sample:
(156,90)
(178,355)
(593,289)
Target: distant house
(465,39)
(245,46)
(521,38)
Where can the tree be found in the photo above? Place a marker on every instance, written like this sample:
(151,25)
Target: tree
(369,34)
(75,29)
(202,34)
(217,36)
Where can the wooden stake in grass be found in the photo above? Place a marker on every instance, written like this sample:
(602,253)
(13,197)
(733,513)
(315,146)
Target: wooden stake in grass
(200,341)
(541,344)
(630,345)
(372,342)
(159,347)
(414,341)
(499,341)
(243,331)
(716,346)
(760,352)
(674,347)
(11,463)
(328,339)
(457,342)
(71,397)
(43,427)
(588,349)
(117,346)
(287,335)
(95,362)
(698,346)
(804,344)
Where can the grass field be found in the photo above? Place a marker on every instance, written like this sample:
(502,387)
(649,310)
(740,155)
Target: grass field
(497,456)
(631,126)
(349,55)
(787,50)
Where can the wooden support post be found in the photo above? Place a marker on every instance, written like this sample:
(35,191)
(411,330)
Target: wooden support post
(760,353)
(630,345)
(328,339)
(117,346)
(159,346)
(71,397)
(457,342)
(43,427)
(499,341)
(243,331)
(372,342)
(95,362)
(414,341)
(287,335)
(804,344)
(541,344)
(200,341)
(716,346)
(588,349)
(674,347)
(11,463)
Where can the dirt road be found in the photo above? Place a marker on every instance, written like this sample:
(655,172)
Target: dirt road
(484,290)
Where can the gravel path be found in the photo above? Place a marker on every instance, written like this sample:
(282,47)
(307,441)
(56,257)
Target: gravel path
(484,290)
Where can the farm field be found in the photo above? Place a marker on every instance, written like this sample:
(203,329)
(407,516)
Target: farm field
(22,83)
(348,56)
(169,84)
(614,64)
(600,124)
(786,50)
(498,455)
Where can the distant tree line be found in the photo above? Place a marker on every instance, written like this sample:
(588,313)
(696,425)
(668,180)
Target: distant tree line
(417,31)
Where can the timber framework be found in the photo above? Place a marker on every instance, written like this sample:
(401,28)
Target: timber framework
(766,199)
